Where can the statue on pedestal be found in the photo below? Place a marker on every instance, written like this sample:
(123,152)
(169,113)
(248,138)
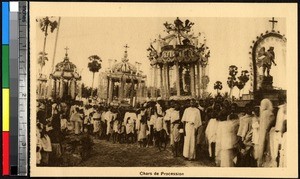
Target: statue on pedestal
(265,59)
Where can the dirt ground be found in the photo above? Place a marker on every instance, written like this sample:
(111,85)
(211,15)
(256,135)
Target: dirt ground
(108,154)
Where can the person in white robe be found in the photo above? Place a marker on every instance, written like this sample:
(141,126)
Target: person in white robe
(116,130)
(76,121)
(192,119)
(103,123)
(211,135)
(255,132)
(150,126)
(265,121)
(109,118)
(46,147)
(283,150)
(245,132)
(96,123)
(276,134)
(63,123)
(221,117)
(227,138)
(129,120)
(172,115)
(38,143)
(72,109)
(142,128)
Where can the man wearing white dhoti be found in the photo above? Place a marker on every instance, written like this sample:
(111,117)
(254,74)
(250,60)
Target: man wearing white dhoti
(192,120)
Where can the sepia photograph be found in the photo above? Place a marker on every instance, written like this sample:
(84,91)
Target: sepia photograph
(161,95)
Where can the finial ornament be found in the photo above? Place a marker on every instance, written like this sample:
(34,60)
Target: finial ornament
(67,50)
(273,21)
(125,59)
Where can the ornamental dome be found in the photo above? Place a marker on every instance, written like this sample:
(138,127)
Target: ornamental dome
(66,70)
(124,66)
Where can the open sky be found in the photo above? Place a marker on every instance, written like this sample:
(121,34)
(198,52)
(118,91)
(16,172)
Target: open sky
(229,40)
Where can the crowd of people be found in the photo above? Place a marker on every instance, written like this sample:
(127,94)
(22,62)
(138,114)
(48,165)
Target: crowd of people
(249,136)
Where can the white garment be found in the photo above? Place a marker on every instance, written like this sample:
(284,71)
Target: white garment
(130,115)
(225,142)
(159,109)
(171,115)
(116,126)
(46,143)
(281,116)
(192,115)
(245,126)
(108,117)
(72,109)
(158,125)
(255,127)
(211,133)
(227,133)
(38,144)
(152,120)
(192,118)
(276,136)
(189,148)
(138,121)
(266,119)
(63,124)
(283,151)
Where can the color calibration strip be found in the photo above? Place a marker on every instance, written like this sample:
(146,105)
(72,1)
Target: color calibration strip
(13,64)
(22,89)
(5,90)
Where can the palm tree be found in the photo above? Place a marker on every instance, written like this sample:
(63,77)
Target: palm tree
(243,79)
(218,86)
(231,81)
(44,24)
(94,66)
(42,60)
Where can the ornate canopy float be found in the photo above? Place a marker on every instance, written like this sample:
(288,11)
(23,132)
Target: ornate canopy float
(124,82)
(263,56)
(182,55)
(64,78)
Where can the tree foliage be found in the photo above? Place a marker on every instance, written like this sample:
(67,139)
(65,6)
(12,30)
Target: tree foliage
(45,23)
(95,63)
(42,59)
(218,86)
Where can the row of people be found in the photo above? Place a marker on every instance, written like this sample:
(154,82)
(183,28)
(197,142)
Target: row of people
(233,138)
